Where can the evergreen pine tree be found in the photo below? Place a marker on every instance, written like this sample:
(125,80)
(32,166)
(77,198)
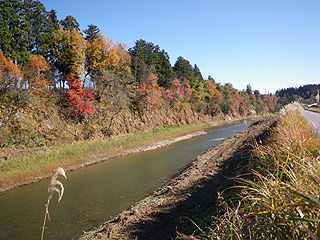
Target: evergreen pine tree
(91,32)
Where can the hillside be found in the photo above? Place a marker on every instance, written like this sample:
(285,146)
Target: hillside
(62,85)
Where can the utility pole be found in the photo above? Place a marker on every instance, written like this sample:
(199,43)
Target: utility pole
(318,97)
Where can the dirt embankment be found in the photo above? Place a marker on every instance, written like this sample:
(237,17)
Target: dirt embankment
(190,194)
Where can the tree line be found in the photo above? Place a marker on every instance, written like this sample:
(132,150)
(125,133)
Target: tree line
(306,93)
(46,58)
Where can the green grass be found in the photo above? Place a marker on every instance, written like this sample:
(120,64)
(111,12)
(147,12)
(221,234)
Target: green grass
(279,198)
(24,166)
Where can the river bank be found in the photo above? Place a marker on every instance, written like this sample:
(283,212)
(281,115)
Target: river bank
(25,167)
(34,165)
(191,193)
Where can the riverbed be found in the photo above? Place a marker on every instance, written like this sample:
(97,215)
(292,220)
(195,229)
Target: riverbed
(99,192)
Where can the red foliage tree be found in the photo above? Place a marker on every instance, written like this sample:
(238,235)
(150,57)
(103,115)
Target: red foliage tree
(80,100)
(178,93)
(80,103)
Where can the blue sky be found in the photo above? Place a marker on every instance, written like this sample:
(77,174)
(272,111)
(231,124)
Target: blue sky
(270,44)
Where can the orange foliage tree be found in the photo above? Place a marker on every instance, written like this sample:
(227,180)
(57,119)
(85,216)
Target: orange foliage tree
(212,91)
(234,101)
(9,73)
(173,94)
(272,102)
(149,94)
(74,82)
(34,72)
(124,59)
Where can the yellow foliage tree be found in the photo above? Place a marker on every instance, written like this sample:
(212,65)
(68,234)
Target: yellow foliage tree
(68,47)
(103,54)
(96,55)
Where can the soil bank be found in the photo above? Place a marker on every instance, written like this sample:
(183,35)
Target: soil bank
(190,194)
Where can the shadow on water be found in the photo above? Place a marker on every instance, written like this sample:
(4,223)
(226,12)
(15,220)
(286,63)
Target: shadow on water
(97,193)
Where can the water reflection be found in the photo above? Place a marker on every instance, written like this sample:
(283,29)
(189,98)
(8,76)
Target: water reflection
(96,193)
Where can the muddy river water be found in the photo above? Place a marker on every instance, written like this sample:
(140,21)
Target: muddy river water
(99,192)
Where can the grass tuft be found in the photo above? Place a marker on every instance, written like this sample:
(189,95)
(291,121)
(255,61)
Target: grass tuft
(280,198)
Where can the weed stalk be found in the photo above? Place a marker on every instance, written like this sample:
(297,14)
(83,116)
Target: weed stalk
(51,189)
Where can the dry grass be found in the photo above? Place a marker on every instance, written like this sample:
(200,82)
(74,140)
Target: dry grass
(52,188)
(280,197)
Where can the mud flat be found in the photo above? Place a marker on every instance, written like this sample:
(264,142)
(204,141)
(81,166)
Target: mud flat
(190,194)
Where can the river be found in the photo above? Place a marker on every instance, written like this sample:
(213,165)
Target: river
(99,192)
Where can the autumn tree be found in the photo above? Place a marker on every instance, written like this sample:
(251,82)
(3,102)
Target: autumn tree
(95,56)
(124,64)
(212,92)
(178,93)
(186,90)
(12,97)
(149,94)
(272,102)
(35,73)
(68,52)
(9,74)
(80,100)
(112,62)
(102,55)
(244,106)
(234,101)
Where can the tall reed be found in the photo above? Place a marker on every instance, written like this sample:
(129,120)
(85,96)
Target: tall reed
(51,189)
(280,197)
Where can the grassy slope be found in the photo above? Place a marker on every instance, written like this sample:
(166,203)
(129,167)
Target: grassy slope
(23,166)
